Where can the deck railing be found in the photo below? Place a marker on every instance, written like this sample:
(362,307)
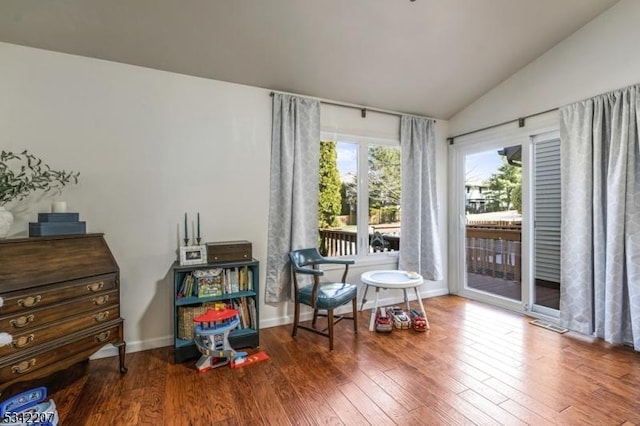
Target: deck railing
(492,248)
(339,242)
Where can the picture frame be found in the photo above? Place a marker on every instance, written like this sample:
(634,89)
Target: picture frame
(193,255)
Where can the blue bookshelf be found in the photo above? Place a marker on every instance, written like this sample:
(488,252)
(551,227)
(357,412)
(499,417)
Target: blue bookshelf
(183,304)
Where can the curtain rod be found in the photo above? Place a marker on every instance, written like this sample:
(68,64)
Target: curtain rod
(363,109)
(520,120)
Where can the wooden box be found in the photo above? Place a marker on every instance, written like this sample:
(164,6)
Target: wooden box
(228,251)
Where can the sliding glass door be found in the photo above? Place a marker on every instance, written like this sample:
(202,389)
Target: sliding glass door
(493,221)
(506,239)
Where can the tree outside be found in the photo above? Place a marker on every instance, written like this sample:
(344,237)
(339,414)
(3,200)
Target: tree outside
(329,198)
(384,184)
(505,187)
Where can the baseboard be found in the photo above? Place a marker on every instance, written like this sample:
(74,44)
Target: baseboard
(159,342)
(140,345)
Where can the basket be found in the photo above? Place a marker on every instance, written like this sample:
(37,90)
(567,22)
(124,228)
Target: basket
(186,314)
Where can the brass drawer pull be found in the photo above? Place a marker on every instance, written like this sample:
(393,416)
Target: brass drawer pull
(102,337)
(101,316)
(101,300)
(21,322)
(29,301)
(95,286)
(23,367)
(23,341)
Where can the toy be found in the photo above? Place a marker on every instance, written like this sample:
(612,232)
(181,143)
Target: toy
(418,321)
(383,322)
(243,359)
(400,319)
(29,408)
(212,337)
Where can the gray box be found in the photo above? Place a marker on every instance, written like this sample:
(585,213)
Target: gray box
(58,217)
(45,229)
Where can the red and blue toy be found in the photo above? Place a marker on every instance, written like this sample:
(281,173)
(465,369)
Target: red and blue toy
(212,337)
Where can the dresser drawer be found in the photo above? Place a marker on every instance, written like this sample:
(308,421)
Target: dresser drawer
(34,318)
(79,346)
(27,299)
(27,339)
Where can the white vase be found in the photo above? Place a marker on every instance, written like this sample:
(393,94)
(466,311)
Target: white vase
(6,220)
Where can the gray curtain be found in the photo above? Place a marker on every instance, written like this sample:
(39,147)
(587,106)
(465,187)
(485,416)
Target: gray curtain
(293,209)
(600,260)
(420,241)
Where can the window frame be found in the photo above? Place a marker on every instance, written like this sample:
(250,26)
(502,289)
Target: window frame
(363,143)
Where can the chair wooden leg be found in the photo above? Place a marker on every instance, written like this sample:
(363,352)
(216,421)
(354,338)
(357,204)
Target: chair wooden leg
(330,320)
(315,317)
(354,302)
(296,319)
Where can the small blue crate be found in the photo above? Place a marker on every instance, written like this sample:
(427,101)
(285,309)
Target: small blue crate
(58,217)
(45,229)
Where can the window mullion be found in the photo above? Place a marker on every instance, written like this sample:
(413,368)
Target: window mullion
(363,199)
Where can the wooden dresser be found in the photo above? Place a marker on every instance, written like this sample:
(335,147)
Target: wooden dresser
(61,304)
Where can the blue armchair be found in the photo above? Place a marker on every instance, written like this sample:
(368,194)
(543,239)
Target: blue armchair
(321,295)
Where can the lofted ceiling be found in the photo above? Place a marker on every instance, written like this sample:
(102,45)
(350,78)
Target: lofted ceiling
(426,57)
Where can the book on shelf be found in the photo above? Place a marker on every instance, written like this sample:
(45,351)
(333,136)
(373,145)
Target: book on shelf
(186,288)
(231,280)
(216,282)
(208,282)
(245,313)
(252,312)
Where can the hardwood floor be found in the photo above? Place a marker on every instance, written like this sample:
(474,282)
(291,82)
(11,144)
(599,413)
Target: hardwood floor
(477,365)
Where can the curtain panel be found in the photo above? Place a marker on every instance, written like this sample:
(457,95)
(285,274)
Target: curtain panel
(293,208)
(420,240)
(600,260)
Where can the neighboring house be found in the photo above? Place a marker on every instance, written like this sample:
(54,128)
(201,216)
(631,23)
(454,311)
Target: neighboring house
(477,196)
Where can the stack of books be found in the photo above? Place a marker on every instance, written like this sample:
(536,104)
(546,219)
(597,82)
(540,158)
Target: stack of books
(57,224)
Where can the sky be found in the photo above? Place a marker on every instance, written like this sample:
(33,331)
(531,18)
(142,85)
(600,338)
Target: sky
(480,166)
(347,158)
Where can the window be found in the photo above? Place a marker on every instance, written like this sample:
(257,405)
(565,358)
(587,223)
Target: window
(359,196)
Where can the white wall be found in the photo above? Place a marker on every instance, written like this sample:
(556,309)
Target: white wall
(150,146)
(600,57)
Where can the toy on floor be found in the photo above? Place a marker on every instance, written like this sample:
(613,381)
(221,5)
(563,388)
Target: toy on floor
(418,321)
(212,337)
(383,321)
(400,319)
(243,359)
(29,408)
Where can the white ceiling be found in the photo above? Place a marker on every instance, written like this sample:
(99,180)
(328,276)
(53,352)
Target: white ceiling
(428,57)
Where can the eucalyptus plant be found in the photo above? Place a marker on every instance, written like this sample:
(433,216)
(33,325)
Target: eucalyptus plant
(23,173)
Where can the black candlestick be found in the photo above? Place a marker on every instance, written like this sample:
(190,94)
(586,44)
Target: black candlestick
(198,241)
(186,241)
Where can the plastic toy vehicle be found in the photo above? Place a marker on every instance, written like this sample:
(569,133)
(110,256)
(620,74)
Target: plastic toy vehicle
(418,321)
(400,319)
(383,321)
(29,408)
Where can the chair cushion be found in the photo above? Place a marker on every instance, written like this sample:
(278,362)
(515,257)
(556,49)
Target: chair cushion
(330,295)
